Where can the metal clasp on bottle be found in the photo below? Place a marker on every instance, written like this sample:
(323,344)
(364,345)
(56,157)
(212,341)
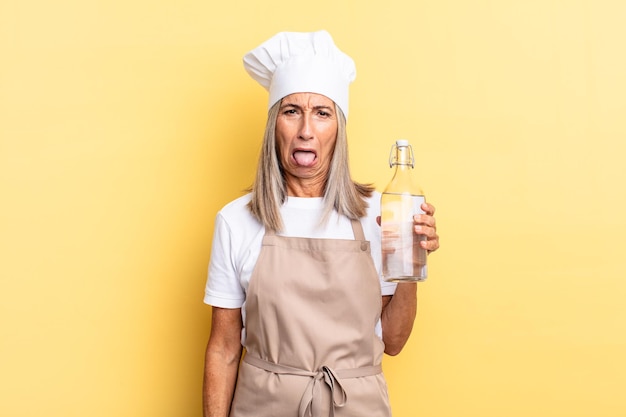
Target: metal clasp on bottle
(393,160)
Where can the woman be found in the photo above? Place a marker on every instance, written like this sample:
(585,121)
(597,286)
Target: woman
(294,274)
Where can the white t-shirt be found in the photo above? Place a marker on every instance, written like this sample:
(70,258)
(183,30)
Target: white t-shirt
(238,237)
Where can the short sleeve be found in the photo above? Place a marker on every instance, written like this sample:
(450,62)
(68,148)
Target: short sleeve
(223,288)
(387,288)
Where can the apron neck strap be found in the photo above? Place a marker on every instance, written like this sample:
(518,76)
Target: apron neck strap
(357,229)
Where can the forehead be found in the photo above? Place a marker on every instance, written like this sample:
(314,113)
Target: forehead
(308,100)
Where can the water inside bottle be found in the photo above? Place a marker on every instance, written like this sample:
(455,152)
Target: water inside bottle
(404,260)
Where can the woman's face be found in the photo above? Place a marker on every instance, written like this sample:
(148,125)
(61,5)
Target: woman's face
(306,132)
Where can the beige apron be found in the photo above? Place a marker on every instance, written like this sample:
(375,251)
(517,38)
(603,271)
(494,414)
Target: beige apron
(311,309)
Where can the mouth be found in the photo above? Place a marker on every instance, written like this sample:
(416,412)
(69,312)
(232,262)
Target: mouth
(304,157)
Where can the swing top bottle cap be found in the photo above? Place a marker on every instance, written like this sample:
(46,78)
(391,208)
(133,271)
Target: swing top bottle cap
(402,142)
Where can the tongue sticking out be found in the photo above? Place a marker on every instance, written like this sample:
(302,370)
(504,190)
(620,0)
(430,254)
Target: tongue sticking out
(304,158)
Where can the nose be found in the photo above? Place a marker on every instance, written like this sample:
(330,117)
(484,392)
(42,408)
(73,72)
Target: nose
(306,129)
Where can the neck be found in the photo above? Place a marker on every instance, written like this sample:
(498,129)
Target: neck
(303,188)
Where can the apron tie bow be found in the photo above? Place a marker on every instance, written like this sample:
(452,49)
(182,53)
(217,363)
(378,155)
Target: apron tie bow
(312,393)
(310,404)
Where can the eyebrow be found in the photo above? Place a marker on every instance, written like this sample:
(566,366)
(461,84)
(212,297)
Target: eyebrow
(321,107)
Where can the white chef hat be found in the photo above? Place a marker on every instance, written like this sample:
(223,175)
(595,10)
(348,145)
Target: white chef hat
(302,62)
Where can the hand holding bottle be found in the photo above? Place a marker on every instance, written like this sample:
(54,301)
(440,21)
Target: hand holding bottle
(426,225)
(423,224)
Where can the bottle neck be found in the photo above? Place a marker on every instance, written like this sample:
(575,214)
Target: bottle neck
(403,162)
(403,158)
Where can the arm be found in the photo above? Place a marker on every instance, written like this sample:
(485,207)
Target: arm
(399,310)
(398,316)
(222,361)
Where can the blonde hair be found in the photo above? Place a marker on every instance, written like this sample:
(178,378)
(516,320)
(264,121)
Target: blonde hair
(269,190)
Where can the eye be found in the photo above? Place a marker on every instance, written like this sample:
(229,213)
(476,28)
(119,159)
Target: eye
(289,111)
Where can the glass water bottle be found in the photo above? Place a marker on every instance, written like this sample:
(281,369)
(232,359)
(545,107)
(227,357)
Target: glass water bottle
(404,260)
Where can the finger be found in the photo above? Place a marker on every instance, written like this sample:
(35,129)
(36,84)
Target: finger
(425,219)
(429,232)
(428,208)
(431,244)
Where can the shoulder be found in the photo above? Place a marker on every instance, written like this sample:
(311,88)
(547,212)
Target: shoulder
(237,210)
(236,223)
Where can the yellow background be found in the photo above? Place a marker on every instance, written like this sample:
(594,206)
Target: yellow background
(126,125)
